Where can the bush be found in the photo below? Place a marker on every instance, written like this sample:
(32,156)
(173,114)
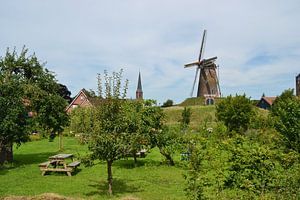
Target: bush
(240,168)
(168,103)
(235,112)
(286,115)
(186,117)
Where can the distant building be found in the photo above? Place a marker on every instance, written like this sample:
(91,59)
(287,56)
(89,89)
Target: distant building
(139,90)
(82,99)
(266,102)
(298,85)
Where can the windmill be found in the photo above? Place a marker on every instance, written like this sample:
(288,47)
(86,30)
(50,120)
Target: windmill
(208,83)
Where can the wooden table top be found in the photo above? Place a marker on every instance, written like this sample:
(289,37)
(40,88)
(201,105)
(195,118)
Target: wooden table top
(61,156)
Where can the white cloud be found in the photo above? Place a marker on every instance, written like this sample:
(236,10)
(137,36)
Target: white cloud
(78,39)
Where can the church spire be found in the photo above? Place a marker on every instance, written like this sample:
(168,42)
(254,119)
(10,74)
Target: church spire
(139,90)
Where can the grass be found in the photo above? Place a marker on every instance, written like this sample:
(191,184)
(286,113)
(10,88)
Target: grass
(197,101)
(200,115)
(149,180)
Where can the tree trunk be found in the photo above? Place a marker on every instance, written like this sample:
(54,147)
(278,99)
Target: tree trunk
(135,159)
(61,145)
(6,153)
(170,159)
(109,176)
(2,154)
(167,156)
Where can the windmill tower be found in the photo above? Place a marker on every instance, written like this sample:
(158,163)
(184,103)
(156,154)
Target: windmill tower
(208,82)
(298,85)
(139,90)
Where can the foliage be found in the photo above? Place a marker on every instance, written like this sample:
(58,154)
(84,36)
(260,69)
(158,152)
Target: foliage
(163,136)
(186,117)
(235,112)
(286,113)
(51,116)
(150,102)
(107,139)
(13,118)
(168,103)
(168,142)
(137,131)
(261,119)
(24,79)
(81,120)
(64,92)
(240,167)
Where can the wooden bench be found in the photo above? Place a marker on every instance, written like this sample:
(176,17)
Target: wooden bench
(72,167)
(74,164)
(43,166)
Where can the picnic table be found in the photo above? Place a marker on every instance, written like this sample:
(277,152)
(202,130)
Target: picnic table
(57,163)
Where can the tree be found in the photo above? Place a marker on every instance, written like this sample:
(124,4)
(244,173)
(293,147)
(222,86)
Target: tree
(108,139)
(27,87)
(81,120)
(13,118)
(186,118)
(161,136)
(286,113)
(235,112)
(168,103)
(138,137)
(51,116)
(64,92)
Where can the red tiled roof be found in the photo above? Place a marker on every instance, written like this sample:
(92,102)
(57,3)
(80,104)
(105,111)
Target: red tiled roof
(269,100)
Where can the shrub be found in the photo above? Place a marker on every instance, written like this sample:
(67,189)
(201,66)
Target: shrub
(168,103)
(235,112)
(286,115)
(240,168)
(185,117)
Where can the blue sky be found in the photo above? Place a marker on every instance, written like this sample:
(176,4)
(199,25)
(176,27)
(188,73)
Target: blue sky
(257,42)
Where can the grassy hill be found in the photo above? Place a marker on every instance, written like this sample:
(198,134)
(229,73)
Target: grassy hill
(194,101)
(200,115)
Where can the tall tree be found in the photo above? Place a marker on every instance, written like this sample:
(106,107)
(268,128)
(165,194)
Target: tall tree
(25,83)
(286,113)
(13,118)
(107,140)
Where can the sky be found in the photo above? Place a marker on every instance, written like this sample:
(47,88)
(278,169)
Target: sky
(257,42)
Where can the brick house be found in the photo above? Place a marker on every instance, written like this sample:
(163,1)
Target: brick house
(82,99)
(266,102)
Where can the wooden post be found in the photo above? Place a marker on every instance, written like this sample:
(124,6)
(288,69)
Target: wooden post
(61,142)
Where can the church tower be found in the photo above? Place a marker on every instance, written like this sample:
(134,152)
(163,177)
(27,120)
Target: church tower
(298,85)
(139,90)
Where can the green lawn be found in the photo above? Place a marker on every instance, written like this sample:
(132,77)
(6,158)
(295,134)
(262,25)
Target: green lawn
(149,180)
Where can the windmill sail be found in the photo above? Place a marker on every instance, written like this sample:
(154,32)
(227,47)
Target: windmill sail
(208,83)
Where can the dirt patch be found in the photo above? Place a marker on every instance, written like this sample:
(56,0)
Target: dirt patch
(46,196)
(130,198)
